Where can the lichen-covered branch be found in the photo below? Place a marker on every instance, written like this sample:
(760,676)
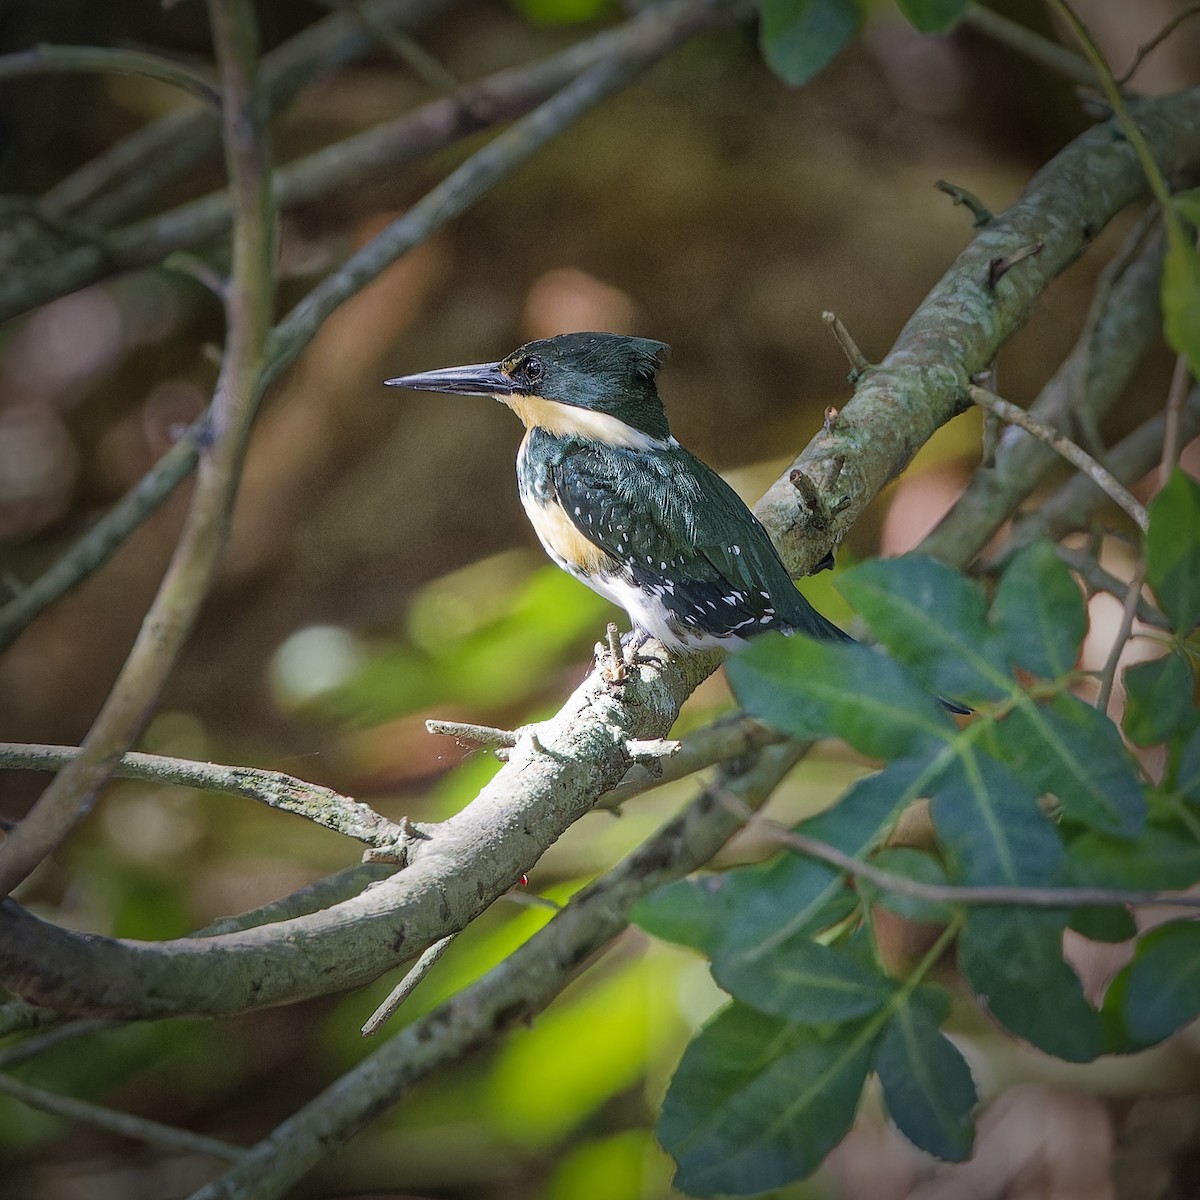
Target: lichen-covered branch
(961,324)
(511,993)
(321,805)
(1123,324)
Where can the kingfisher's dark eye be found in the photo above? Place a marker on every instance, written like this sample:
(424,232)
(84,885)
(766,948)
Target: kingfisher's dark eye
(534,369)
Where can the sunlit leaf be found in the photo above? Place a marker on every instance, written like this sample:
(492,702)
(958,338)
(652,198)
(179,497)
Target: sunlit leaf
(1161,988)
(932,16)
(1073,751)
(1012,958)
(801,37)
(758,1102)
(1158,699)
(934,620)
(561,12)
(804,981)
(992,826)
(927,1084)
(814,689)
(1038,613)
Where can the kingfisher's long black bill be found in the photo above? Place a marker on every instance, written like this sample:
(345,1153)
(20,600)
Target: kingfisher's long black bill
(483,379)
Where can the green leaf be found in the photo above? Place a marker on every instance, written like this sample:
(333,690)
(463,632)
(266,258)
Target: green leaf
(918,865)
(992,826)
(1159,699)
(927,1084)
(1073,751)
(1038,613)
(758,1102)
(791,905)
(1012,958)
(1161,991)
(799,38)
(1187,777)
(1173,546)
(814,689)
(1111,924)
(1181,298)
(932,16)
(803,980)
(934,620)
(1164,855)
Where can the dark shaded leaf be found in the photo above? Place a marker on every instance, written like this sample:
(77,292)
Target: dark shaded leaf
(1173,545)
(767,918)
(1074,752)
(934,620)
(1164,856)
(1113,924)
(1161,987)
(816,689)
(758,1102)
(932,16)
(802,980)
(991,825)
(701,910)
(927,1084)
(1012,958)
(799,38)
(918,865)
(1159,696)
(1187,777)
(1038,613)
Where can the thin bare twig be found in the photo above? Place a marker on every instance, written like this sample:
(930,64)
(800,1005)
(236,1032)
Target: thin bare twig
(405,988)
(98,544)
(1181,379)
(859,364)
(1128,612)
(979,211)
(45,59)
(1072,507)
(1099,475)
(194,564)
(122,1124)
(1033,46)
(318,804)
(478,735)
(1097,579)
(1157,40)
(950,893)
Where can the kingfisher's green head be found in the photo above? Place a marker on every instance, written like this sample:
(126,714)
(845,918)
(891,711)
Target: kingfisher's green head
(594,385)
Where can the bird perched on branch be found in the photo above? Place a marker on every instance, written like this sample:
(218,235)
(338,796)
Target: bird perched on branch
(620,504)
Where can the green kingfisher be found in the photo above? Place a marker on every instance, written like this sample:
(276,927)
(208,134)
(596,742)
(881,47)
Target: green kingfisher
(620,504)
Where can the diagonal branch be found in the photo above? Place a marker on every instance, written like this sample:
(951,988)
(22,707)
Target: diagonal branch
(44,59)
(511,993)
(194,564)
